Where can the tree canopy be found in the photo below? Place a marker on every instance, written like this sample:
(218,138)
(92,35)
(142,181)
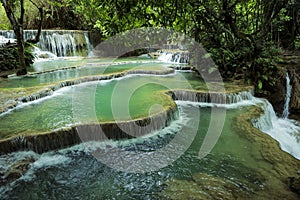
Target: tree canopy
(244,37)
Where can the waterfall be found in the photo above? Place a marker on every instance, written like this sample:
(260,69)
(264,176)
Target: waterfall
(175,57)
(58,43)
(62,43)
(89,46)
(167,57)
(265,122)
(212,97)
(284,130)
(7,34)
(285,113)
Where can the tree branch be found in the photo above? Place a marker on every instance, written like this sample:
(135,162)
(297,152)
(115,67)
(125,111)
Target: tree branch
(41,11)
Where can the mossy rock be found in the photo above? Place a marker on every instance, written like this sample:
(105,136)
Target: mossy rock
(16,170)
(203,186)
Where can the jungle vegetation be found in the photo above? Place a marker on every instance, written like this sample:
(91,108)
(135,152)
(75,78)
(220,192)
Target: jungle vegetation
(245,38)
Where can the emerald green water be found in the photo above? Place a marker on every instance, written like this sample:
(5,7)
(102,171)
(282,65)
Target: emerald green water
(73,73)
(74,173)
(60,63)
(109,100)
(233,158)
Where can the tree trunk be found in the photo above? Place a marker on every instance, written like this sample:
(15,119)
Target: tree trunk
(18,30)
(20,44)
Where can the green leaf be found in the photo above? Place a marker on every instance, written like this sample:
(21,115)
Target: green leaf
(259,85)
(265,77)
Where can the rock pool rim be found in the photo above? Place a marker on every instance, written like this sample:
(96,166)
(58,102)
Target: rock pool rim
(47,90)
(12,144)
(66,137)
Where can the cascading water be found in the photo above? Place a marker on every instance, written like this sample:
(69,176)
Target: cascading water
(70,165)
(4,40)
(61,45)
(89,46)
(213,97)
(285,113)
(59,42)
(167,57)
(174,57)
(284,130)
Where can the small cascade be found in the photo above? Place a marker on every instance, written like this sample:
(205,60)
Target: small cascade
(284,130)
(265,122)
(65,137)
(89,46)
(63,84)
(7,34)
(285,113)
(62,43)
(212,97)
(175,57)
(43,54)
(36,96)
(167,57)
(150,72)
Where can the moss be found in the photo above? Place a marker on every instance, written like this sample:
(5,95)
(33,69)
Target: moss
(203,186)
(9,96)
(279,167)
(283,164)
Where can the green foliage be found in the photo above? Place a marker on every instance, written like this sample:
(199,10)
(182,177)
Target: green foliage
(10,59)
(4,22)
(241,36)
(264,72)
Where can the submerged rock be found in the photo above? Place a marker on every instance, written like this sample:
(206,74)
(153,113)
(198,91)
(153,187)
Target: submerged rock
(203,186)
(15,171)
(281,164)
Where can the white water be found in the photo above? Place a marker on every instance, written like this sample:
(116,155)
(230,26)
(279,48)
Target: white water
(40,161)
(63,88)
(60,43)
(165,57)
(41,55)
(89,46)
(4,40)
(285,113)
(284,130)
(177,57)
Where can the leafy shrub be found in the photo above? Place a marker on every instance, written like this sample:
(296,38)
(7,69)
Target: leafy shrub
(10,60)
